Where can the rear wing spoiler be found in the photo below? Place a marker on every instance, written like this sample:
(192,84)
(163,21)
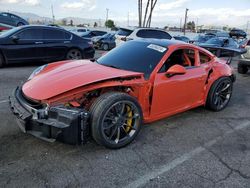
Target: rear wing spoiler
(225,52)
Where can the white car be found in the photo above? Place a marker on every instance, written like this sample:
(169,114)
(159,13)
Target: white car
(121,35)
(80,31)
(153,33)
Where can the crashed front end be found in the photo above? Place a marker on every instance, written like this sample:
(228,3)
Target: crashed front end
(65,124)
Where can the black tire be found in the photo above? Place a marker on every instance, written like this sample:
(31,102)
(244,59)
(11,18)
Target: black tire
(2,62)
(20,24)
(219,94)
(105,47)
(74,54)
(242,69)
(121,128)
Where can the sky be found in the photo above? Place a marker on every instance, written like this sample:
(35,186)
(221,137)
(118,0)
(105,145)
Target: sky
(234,13)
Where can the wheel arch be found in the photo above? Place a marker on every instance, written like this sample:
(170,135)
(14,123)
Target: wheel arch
(232,78)
(75,48)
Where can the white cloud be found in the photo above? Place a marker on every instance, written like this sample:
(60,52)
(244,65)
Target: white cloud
(171,5)
(82,4)
(26,2)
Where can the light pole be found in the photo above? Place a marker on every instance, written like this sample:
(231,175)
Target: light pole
(107,15)
(185,22)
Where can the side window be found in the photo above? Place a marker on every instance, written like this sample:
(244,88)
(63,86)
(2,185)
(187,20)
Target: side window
(204,58)
(183,57)
(153,34)
(189,55)
(51,34)
(163,35)
(13,16)
(30,34)
(4,15)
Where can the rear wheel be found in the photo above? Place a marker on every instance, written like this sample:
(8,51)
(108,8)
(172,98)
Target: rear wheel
(242,69)
(116,119)
(20,24)
(74,54)
(1,61)
(105,47)
(220,94)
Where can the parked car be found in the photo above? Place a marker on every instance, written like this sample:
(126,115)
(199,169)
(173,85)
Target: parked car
(238,33)
(105,42)
(220,42)
(201,39)
(12,19)
(182,38)
(139,81)
(145,33)
(80,31)
(42,43)
(244,62)
(121,35)
(93,33)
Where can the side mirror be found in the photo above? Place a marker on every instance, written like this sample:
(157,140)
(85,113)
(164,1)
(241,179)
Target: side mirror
(175,69)
(14,38)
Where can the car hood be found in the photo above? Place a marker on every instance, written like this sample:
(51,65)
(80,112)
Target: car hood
(61,77)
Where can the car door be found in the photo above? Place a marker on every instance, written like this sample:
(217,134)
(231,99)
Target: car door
(172,94)
(25,45)
(57,43)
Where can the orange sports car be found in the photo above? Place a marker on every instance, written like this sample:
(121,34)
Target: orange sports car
(109,99)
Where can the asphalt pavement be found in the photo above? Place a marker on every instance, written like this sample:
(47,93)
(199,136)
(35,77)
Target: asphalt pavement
(197,148)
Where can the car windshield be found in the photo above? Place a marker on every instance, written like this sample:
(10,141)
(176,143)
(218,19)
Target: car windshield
(9,32)
(137,56)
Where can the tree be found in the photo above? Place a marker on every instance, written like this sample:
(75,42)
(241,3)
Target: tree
(146,22)
(191,25)
(95,24)
(110,24)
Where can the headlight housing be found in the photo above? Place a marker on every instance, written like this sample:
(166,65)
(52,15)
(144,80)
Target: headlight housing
(37,71)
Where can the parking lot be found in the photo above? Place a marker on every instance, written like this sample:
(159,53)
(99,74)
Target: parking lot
(198,148)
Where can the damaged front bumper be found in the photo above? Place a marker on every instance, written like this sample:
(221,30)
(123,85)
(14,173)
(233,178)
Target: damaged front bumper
(66,124)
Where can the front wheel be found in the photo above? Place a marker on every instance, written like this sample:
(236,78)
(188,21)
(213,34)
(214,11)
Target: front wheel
(105,47)
(220,94)
(74,54)
(116,119)
(242,69)
(20,24)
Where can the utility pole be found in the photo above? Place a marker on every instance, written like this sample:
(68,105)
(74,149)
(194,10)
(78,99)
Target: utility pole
(180,24)
(107,15)
(185,22)
(128,18)
(52,11)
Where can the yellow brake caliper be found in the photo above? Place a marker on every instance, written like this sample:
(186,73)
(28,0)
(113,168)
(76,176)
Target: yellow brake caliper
(129,121)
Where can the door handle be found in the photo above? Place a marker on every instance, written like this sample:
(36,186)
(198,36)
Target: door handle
(38,42)
(66,42)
